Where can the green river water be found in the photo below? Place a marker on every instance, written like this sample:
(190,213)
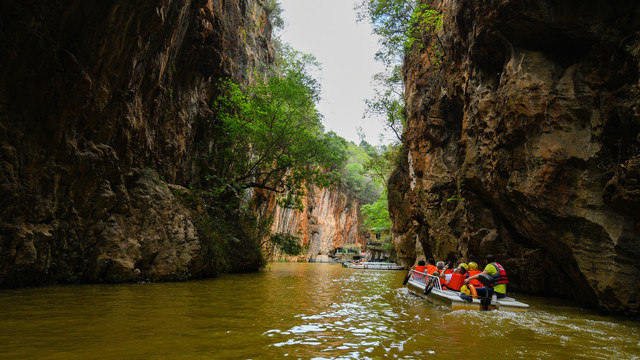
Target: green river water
(294,310)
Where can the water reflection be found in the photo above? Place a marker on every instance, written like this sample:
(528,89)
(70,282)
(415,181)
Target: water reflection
(305,311)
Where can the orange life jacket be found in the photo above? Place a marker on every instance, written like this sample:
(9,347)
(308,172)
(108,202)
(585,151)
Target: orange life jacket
(431,269)
(448,271)
(421,268)
(475,282)
(456,282)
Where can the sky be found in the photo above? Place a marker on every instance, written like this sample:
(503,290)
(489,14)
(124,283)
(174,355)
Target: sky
(346,49)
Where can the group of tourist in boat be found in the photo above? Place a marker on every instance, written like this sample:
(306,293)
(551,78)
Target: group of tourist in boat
(466,277)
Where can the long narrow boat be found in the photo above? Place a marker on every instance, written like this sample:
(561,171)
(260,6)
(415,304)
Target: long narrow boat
(376,266)
(419,281)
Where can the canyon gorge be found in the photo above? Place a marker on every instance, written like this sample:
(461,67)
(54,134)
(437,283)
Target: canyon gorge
(522,139)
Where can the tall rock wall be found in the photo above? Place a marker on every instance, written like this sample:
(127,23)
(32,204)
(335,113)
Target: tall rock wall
(330,218)
(101,105)
(523,140)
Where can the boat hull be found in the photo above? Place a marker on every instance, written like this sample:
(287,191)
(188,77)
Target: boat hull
(452,299)
(376,266)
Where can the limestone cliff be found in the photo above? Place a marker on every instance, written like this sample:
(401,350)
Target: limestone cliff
(330,218)
(523,138)
(101,105)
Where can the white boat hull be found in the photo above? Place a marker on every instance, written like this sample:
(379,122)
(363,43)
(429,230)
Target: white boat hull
(452,299)
(376,266)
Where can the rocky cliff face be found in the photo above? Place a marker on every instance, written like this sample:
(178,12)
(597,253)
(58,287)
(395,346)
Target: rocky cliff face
(102,105)
(523,140)
(330,219)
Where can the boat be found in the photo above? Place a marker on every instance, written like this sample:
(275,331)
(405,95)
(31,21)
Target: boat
(375,266)
(428,287)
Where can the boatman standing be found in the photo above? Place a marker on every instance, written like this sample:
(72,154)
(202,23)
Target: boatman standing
(500,280)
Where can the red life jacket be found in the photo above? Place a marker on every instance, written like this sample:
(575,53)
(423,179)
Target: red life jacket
(456,282)
(501,276)
(431,269)
(475,282)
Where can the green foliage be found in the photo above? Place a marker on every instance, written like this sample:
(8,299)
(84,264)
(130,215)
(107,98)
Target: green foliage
(423,19)
(232,231)
(274,11)
(381,164)
(358,182)
(399,24)
(376,215)
(388,102)
(289,244)
(390,20)
(271,136)
(267,136)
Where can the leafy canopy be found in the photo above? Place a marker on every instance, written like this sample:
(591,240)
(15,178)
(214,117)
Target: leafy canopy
(399,24)
(271,136)
(376,215)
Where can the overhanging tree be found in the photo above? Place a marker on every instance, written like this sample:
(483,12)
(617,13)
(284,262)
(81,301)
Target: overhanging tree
(268,136)
(272,137)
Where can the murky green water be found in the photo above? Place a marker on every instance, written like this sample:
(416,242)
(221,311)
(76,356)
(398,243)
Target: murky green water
(303,311)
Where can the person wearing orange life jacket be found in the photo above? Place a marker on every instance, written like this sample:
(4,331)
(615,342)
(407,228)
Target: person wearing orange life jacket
(418,272)
(422,267)
(473,270)
(500,280)
(457,279)
(448,269)
(431,266)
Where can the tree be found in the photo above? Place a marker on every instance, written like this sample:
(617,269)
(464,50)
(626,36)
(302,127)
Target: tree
(377,219)
(381,164)
(399,24)
(271,136)
(388,102)
(268,137)
(376,215)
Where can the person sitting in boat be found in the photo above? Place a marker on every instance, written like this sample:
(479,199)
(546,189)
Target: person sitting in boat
(499,275)
(449,269)
(422,267)
(472,271)
(457,279)
(431,266)
(465,267)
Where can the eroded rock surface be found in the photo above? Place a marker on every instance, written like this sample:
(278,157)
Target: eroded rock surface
(102,105)
(523,141)
(330,219)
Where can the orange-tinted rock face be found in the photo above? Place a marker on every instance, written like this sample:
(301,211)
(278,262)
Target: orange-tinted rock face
(523,142)
(95,100)
(330,219)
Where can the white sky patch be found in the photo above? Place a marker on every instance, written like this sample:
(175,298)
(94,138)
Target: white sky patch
(328,30)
